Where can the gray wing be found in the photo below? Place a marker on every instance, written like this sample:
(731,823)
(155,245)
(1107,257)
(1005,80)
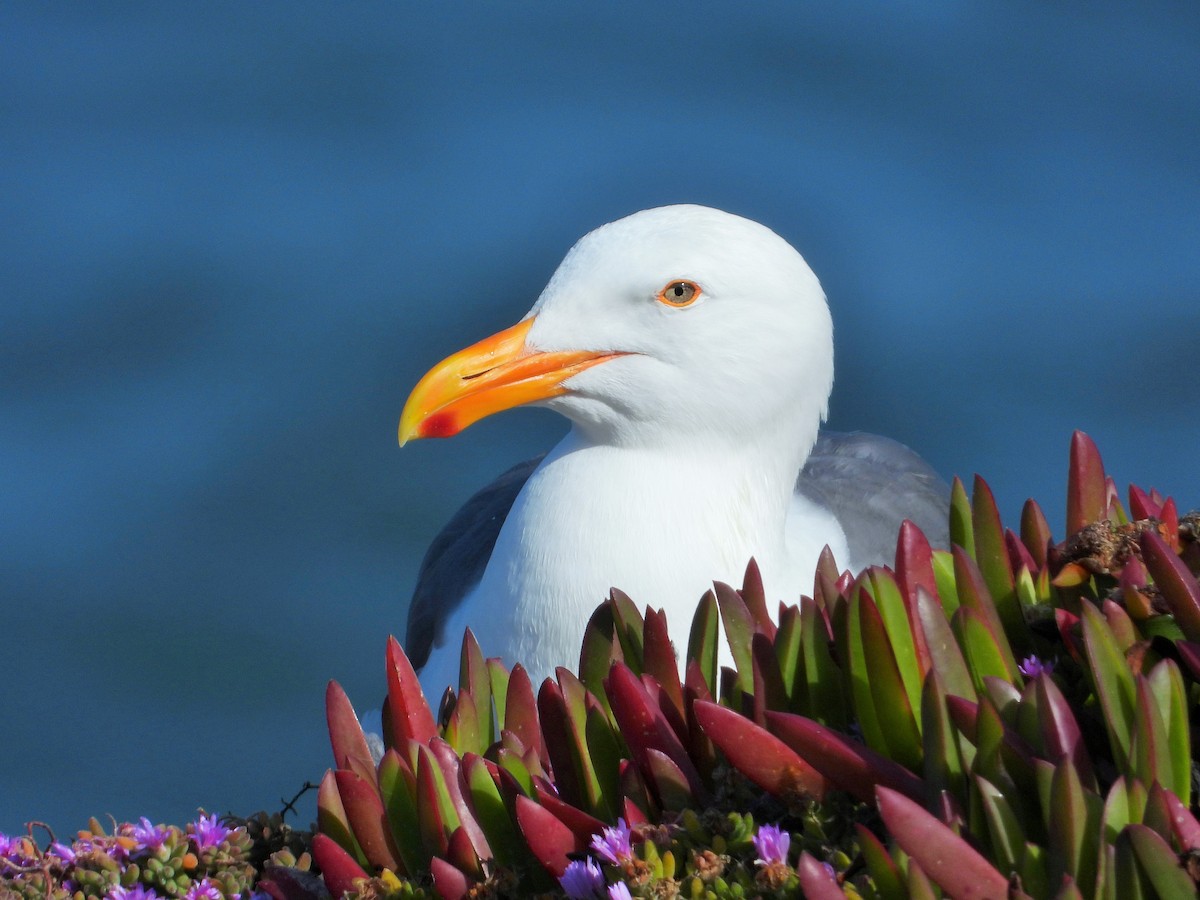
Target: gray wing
(455,560)
(872,484)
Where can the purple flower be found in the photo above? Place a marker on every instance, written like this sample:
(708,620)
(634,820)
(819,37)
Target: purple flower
(208,832)
(1032,667)
(583,880)
(203,890)
(612,844)
(619,891)
(148,835)
(137,892)
(771,844)
(63,852)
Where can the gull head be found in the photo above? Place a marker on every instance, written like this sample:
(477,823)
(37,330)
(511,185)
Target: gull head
(681,326)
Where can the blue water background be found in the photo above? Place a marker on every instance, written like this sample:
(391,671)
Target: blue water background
(234,235)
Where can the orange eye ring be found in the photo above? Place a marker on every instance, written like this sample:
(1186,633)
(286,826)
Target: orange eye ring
(679,293)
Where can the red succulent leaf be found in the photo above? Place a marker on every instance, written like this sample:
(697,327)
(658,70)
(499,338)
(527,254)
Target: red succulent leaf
(816,882)
(644,726)
(852,766)
(700,748)
(1068,630)
(350,749)
(561,740)
(1183,823)
(1060,732)
(914,561)
(1087,488)
(1035,532)
(965,715)
(769,692)
(659,657)
(461,852)
(759,755)
(521,713)
(945,857)
(286,883)
(633,814)
(755,597)
(1179,587)
(694,681)
(825,580)
(668,782)
(367,818)
(338,867)
(1141,506)
(1170,524)
(448,881)
(582,825)
(548,838)
(431,816)
(1133,582)
(409,713)
(1019,556)
(843,585)
(672,713)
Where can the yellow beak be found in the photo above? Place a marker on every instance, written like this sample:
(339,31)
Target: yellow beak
(497,373)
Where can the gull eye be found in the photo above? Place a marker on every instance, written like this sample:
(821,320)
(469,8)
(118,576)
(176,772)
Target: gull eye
(679,293)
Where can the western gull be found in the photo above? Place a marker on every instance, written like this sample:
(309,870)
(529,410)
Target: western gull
(692,351)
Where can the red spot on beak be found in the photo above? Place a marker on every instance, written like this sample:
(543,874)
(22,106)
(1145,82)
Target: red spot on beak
(440,425)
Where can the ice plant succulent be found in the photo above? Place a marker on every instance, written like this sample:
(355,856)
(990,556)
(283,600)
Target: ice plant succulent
(900,725)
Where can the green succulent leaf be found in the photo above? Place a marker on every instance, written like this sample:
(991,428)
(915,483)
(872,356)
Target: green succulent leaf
(1074,827)
(878,684)
(332,819)
(1159,864)
(822,677)
(739,629)
(490,811)
(885,874)
(991,554)
(962,533)
(945,656)
(703,638)
(1004,829)
(398,787)
(1114,683)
